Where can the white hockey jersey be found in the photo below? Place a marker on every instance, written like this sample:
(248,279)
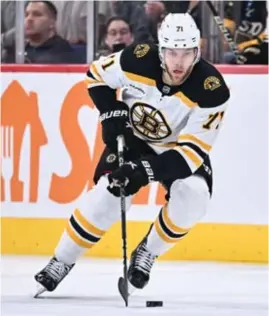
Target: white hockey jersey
(185,118)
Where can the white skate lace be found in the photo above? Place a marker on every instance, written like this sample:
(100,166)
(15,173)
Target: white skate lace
(57,270)
(144,260)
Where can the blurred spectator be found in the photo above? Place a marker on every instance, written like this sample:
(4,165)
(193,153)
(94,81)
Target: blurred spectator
(133,12)
(8,15)
(118,35)
(248,30)
(43,45)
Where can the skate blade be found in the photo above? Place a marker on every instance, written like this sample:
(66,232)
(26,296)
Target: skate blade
(40,290)
(125,293)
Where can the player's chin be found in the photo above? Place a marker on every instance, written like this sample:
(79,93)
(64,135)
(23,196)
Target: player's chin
(177,77)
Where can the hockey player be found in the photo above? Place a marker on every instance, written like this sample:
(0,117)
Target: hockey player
(172,104)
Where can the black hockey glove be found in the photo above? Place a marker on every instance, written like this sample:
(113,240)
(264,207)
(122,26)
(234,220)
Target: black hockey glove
(115,123)
(133,175)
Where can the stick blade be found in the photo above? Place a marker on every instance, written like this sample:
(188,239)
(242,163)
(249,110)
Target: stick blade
(123,290)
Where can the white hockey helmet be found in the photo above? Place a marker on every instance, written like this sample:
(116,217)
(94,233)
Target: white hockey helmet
(179,30)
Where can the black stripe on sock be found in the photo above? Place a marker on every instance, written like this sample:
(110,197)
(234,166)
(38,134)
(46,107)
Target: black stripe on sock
(167,231)
(82,232)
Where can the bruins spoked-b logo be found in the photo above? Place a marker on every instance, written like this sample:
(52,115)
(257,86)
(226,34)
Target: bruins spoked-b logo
(212,83)
(141,50)
(149,122)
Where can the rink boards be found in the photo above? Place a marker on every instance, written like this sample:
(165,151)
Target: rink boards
(57,143)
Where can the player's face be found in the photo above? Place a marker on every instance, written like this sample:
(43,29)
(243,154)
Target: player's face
(178,62)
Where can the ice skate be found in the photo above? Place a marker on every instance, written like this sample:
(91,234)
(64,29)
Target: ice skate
(49,278)
(139,270)
(141,263)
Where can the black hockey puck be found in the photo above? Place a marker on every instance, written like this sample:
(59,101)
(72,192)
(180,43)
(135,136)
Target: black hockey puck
(154,303)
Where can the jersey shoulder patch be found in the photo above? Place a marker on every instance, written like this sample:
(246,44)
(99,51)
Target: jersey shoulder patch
(212,83)
(206,86)
(141,59)
(141,50)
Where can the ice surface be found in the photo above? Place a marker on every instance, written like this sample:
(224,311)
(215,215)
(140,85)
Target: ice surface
(186,288)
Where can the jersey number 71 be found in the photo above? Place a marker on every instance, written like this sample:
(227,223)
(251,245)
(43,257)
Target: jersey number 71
(213,120)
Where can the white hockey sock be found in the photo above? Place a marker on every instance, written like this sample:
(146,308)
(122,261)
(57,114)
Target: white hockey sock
(86,227)
(164,233)
(187,205)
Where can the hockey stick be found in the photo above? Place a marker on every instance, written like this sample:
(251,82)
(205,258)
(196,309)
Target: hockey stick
(123,282)
(240,59)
